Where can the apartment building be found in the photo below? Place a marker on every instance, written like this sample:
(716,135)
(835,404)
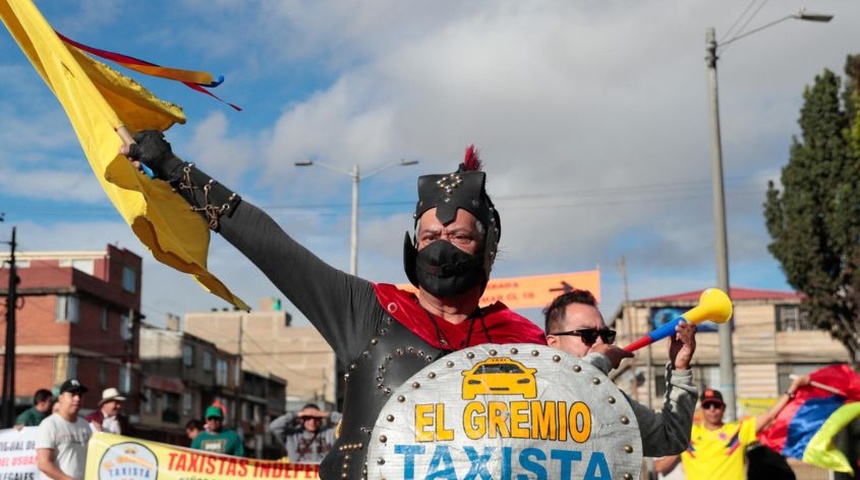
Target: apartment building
(78,315)
(270,345)
(184,374)
(771,340)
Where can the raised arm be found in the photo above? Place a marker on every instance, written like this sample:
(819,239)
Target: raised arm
(764,420)
(336,303)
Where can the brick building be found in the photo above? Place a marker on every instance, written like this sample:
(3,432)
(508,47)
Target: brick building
(78,315)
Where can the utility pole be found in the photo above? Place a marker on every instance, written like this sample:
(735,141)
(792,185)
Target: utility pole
(712,50)
(727,358)
(238,398)
(9,359)
(356,176)
(629,327)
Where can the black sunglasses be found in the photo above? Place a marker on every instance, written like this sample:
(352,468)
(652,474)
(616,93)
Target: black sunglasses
(213,418)
(589,335)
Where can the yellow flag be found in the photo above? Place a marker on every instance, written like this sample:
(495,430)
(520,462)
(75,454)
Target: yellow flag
(99,100)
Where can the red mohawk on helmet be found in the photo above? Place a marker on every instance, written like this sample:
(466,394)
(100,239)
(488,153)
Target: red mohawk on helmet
(472,161)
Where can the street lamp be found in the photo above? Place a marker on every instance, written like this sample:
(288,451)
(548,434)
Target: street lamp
(727,373)
(356,178)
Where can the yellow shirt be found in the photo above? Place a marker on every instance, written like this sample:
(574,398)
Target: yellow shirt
(718,454)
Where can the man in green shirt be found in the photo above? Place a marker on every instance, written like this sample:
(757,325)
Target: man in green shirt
(33,416)
(217,439)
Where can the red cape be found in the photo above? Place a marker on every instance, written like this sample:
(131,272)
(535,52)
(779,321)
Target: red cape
(502,324)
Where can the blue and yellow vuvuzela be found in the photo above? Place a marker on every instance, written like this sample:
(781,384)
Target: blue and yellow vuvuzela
(99,101)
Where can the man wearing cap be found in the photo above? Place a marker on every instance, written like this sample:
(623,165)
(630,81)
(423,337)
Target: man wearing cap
(303,434)
(717,449)
(380,334)
(216,438)
(61,442)
(575,325)
(108,417)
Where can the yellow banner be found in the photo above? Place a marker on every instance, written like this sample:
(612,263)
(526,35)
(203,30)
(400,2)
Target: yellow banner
(536,291)
(98,101)
(115,457)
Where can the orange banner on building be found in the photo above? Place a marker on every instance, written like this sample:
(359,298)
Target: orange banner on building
(535,291)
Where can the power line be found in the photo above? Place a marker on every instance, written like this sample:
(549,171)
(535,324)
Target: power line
(619,195)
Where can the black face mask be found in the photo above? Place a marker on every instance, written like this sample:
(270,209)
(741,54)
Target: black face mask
(445,271)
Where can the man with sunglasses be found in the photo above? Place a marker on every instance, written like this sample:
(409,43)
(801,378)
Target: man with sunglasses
(303,434)
(575,325)
(216,438)
(717,449)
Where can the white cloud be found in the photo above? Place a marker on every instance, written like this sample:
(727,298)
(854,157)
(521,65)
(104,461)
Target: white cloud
(592,119)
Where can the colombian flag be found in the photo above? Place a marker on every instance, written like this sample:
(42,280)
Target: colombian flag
(100,102)
(805,428)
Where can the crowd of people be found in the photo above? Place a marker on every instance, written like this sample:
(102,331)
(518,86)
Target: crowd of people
(448,257)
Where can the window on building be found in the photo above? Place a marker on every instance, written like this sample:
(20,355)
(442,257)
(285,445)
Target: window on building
(73,367)
(188,355)
(102,374)
(86,265)
(169,407)
(187,403)
(124,379)
(785,371)
(789,318)
(221,372)
(125,326)
(61,370)
(104,319)
(68,309)
(129,279)
(245,412)
(148,401)
(207,361)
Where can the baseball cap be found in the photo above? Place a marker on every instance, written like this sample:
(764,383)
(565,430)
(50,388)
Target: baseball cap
(73,385)
(213,411)
(712,396)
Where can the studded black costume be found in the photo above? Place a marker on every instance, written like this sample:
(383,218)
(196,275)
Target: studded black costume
(380,334)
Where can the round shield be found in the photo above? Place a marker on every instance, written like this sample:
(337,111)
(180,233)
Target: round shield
(506,412)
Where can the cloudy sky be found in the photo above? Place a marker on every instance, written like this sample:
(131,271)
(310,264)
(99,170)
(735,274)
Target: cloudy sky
(591,117)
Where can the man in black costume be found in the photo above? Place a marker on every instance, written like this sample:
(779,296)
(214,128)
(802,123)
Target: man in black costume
(381,335)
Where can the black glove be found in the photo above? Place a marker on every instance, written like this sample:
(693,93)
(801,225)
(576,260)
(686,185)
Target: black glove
(154,151)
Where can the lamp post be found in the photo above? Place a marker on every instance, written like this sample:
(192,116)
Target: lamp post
(727,372)
(356,179)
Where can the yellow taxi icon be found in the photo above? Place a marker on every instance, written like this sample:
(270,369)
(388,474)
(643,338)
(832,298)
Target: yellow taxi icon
(499,376)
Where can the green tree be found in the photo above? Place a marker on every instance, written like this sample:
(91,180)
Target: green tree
(814,220)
